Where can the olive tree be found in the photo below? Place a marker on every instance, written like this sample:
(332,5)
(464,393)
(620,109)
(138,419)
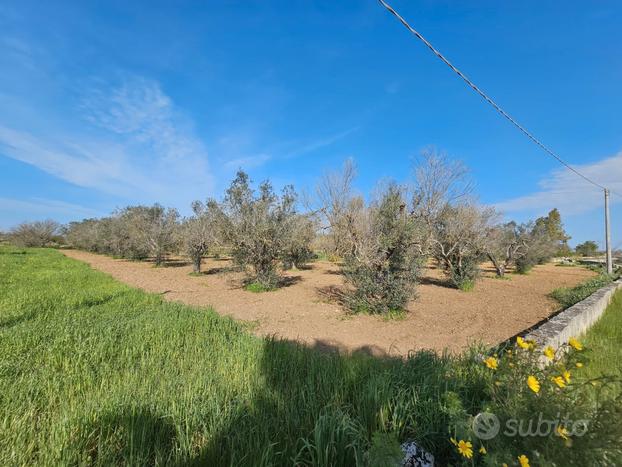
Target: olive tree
(438,183)
(506,244)
(158,227)
(35,234)
(339,208)
(458,241)
(297,249)
(542,247)
(453,226)
(382,265)
(200,231)
(257,224)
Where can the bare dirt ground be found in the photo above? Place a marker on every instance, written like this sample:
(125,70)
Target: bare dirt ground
(305,309)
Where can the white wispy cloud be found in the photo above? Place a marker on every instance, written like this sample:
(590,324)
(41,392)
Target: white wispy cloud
(248,162)
(287,150)
(568,192)
(320,143)
(145,148)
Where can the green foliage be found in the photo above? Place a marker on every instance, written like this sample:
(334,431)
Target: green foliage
(603,343)
(336,439)
(384,266)
(568,296)
(534,404)
(95,372)
(587,248)
(464,273)
(257,287)
(554,230)
(385,450)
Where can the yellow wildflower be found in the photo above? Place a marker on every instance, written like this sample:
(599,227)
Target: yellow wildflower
(559,380)
(498,383)
(523,460)
(504,465)
(465,448)
(562,432)
(579,365)
(533,384)
(522,343)
(575,344)
(482,450)
(566,375)
(549,353)
(491,362)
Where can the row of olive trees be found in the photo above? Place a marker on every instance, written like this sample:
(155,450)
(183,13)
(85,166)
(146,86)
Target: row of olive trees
(134,232)
(36,234)
(262,230)
(384,243)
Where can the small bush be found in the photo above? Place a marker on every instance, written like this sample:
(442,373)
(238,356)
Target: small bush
(463,274)
(569,296)
(258,287)
(543,412)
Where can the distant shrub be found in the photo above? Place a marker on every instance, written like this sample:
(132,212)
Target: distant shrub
(36,234)
(587,248)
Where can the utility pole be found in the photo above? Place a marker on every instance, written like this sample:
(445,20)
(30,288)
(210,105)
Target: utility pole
(608,234)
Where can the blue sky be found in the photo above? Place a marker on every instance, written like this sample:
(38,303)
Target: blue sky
(104,104)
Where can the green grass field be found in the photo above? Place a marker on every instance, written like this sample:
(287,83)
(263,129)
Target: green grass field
(93,372)
(604,345)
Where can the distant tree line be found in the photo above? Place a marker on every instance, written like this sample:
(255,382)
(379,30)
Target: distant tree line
(380,244)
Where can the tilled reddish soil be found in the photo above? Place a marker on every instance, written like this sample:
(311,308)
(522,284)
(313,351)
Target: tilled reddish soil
(306,310)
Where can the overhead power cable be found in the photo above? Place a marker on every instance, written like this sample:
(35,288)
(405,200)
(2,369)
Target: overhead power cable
(487,98)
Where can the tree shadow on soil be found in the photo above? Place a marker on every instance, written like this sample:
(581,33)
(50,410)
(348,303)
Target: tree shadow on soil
(436,282)
(332,294)
(288,281)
